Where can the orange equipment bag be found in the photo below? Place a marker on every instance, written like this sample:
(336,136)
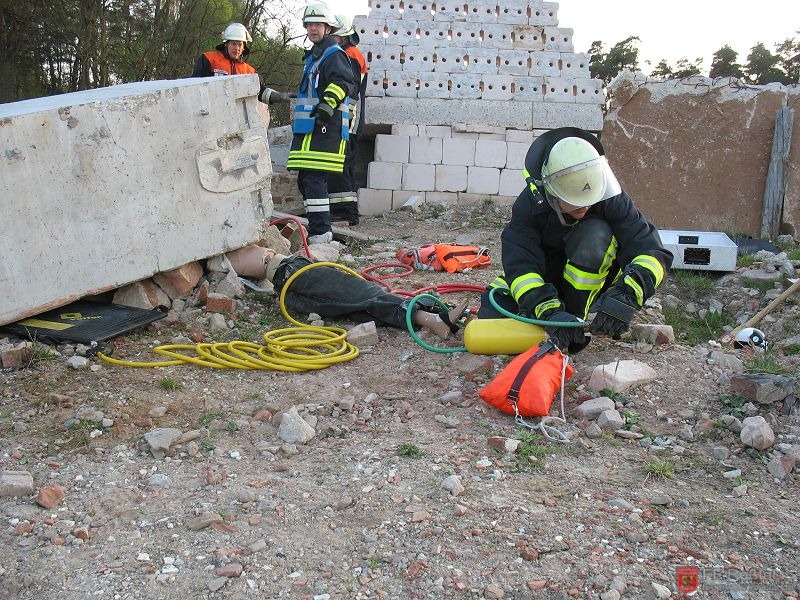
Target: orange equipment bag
(455,257)
(527,386)
(422,258)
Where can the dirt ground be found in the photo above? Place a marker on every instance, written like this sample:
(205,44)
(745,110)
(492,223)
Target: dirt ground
(399,493)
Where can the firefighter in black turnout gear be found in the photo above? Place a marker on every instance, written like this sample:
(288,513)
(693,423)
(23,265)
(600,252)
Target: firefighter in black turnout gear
(321,119)
(576,244)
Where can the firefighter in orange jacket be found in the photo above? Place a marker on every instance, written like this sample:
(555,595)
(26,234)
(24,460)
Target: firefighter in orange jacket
(321,123)
(228,58)
(342,187)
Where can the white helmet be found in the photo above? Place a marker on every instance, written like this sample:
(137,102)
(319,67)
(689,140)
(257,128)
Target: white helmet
(575,173)
(750,337)
(319,13)
(236,32)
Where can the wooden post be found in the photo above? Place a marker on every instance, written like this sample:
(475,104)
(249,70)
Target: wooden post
(775,188)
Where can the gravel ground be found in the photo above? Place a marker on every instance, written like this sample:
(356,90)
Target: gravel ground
(404,489)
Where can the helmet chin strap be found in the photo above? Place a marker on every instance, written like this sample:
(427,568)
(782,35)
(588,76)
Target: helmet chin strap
(559,213)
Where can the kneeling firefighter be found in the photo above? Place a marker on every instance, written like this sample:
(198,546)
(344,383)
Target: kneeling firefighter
(576,244)
(321,119)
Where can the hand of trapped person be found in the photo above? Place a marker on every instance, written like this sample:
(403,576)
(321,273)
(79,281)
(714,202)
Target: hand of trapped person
(564,336)
(615,309)
(322,112)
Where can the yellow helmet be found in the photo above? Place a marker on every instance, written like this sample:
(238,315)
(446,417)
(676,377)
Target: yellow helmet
(575,172)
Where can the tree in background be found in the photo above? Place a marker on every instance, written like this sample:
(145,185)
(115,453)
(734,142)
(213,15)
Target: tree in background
(70,45)
(789,59)
(762,66)
(723,64)
(686,68)
(623,55)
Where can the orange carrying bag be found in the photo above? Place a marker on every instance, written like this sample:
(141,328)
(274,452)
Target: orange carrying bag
(455,257)
(527,386)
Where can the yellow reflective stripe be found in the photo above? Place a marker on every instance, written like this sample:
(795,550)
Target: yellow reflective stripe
(651,264)
(342,148)
(313,166)
(499,283)
(545,306)
(582,280)
(330,102)
(316,202)
(634,285)
(525,283)
(609,257)
(306,142)
(525,173)
(336,91)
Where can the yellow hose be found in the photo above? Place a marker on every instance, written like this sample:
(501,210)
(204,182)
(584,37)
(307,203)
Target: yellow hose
(293,349)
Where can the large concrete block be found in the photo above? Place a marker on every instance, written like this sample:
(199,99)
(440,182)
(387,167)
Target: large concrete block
(434,85)
(450,60)
(514,12)
(405,129)
(465,86)
(545,64)
(441,198)
(385,57)
(370,31)
(375,82)
(384,175)
(545,13)
(557,89)
(466,35)
(704,144)
(106,187)
(418,10)
(436,131)
(497,36)
(387,9)
(425,150)
(483,180)
(401,85)
(433,33)
(549,115)
(521,137)
(528,37)
(490,153)
(451,178)
(497,87)
(482,60)
(514,62)
(449,11)
(402,32)
(589,91)
(388,111)
(374,202)
(419,177)
(418,59)
(481,12)
(791,200)
(558,39)
(399,197)
(391,148)
(511,182)
(529,89)
(515,154)
(575,66)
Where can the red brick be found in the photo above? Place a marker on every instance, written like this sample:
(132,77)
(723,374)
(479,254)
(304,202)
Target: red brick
(219,303)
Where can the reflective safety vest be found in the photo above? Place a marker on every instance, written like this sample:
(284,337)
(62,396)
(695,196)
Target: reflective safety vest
(222,65)
(307,97)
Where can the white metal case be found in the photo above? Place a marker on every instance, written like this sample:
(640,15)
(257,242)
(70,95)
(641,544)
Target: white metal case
(700,250)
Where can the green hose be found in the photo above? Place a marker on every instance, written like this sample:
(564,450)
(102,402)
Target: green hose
(412,301)
(538,322)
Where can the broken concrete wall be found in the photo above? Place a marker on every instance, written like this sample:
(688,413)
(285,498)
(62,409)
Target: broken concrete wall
(694,153)
(791,201)
(106,187)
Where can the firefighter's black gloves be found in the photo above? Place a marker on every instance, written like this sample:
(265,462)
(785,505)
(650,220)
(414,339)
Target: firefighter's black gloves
(527,304)
(322,112)
(270,96)
(570,339)
(615,310)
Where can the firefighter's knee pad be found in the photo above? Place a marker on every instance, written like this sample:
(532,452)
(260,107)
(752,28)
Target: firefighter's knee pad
(589,244)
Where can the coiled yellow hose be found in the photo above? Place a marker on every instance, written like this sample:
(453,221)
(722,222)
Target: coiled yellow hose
(293,349)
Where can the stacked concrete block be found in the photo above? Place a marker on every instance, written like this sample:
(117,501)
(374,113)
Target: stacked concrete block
(505,64)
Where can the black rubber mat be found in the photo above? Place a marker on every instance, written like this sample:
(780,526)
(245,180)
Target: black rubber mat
(748,245)
(84,322)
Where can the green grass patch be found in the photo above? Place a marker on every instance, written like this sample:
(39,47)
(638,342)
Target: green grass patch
(792,349)
(531,451)
(693,330)
(692,284)
(409,450)
(169,384)
(733,404)
(766,362)
(661,469)
(206,418)
(745,260)
(758,284)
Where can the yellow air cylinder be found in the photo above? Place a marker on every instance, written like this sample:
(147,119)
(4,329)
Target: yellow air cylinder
(501,336)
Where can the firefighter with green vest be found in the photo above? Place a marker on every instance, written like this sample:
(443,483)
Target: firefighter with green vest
(321,119)
(576,244)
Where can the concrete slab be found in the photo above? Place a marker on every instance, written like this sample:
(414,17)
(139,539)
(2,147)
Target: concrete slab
(106,187)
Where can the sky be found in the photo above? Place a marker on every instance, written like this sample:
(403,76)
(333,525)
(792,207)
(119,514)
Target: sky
(670,30)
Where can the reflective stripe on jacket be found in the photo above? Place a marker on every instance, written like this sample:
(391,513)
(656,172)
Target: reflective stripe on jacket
(220,64)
